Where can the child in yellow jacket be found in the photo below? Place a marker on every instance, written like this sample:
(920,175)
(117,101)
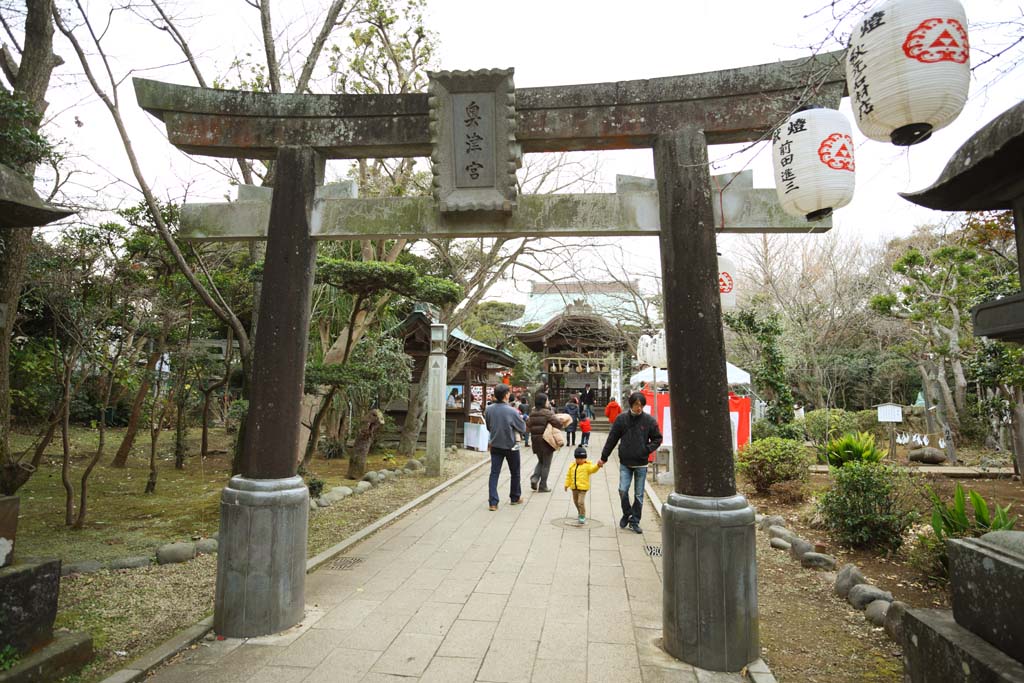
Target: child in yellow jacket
(578,479)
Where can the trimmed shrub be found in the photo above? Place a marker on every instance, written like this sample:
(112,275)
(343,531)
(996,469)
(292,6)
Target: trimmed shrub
(853,447)
(793,430)
(823,425)
(867,421)
(762,429)
(773,460)
(868,506)
(789,492)
(315,486)
(332,447)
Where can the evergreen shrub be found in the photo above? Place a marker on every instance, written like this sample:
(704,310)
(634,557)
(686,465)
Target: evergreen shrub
(773,460)
(868,506)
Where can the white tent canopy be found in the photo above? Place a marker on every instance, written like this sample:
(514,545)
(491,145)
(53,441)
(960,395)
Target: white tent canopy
(735,375)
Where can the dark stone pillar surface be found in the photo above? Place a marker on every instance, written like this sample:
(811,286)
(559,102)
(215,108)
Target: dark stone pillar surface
(271,441)
(261,563)
(710,566)
(28,603)
(701,429)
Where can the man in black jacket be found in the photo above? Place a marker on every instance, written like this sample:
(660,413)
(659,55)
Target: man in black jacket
(638,437)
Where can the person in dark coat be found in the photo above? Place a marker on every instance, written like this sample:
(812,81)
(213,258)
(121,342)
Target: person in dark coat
(572,408)
(637,435)
(587,398)
(539,419)
(524,410)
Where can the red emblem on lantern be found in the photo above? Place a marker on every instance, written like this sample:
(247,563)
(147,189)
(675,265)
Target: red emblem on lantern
(938,40)
(836,152)
(724,283)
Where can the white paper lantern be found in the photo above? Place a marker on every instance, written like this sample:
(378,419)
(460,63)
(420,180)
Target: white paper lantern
(814,168)
(908,69)
(643,345)
(659,358)
(727,283)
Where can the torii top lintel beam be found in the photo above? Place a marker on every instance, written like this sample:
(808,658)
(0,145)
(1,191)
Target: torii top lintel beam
(733,105)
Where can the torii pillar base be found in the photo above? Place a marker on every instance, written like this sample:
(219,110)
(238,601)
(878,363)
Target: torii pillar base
(710,572)
(261,561)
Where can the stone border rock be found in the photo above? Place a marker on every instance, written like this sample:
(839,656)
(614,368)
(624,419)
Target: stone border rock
(781,537)
(137,670)
(369,480)
(168,553)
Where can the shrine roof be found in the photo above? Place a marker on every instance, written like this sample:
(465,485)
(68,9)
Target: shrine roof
(456,337)
(985,173)
(575,330)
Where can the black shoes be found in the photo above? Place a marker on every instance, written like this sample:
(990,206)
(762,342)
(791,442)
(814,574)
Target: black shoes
(624,521)
(543,489)
(533,484)
(635,528)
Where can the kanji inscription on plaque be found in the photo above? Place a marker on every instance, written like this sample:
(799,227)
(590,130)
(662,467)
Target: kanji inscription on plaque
(472,131)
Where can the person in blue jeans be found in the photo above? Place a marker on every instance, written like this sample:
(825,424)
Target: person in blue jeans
(637,435)
(503,423)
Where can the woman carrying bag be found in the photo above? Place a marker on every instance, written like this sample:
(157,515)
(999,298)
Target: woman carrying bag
(540,421)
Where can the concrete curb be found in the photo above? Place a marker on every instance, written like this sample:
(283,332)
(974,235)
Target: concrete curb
(757,671)
(138,668)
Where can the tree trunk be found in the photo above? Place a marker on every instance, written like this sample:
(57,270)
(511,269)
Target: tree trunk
(83,497)
(125,449)
(31,83)
(929,414)
(314,427)
(367,435)
(65,437)
(1017,427)
(415,416)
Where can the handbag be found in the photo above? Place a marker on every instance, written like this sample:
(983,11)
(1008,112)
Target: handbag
(554,437)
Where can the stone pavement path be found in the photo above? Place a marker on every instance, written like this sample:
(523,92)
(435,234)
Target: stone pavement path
(453,592)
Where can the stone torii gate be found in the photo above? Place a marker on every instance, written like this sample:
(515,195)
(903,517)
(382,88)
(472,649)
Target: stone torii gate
(710,598)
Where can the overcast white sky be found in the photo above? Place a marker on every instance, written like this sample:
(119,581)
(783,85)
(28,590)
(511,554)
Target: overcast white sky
(548,42)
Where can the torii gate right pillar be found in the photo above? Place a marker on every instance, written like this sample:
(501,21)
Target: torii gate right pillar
(709,611)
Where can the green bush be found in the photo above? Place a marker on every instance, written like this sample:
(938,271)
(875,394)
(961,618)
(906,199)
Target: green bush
(236,412)
(773,460)
(868,506)
(823,425)
(793,430)
(952,521)
(316,486)
(853,447)
(867,421)
(762,429)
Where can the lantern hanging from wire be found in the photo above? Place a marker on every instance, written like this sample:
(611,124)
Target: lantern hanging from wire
(814,167)
(727,283)
(908,69)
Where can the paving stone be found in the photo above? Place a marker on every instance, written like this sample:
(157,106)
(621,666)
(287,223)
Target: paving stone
(309,649)
(484,607)
(525,623)
(496,583)
(563,670)
(508,661)
(612,662)
(376,632)
(343,665)
(468,639)
(433,619)
(279,674)
(408,655)
(454,591)
(347,615)
(451,670)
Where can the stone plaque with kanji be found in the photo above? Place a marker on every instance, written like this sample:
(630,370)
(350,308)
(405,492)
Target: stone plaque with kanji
(472,131)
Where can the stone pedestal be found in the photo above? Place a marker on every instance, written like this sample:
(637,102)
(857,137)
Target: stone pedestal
(936,648)
(987,588)
(261,560)
(710,573)
(28,603)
